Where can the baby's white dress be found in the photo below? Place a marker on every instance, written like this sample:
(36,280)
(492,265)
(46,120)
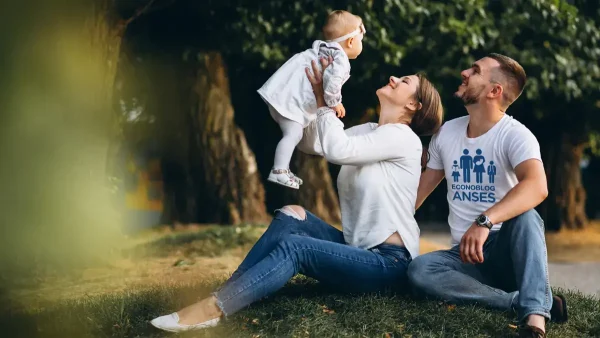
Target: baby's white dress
(289,92)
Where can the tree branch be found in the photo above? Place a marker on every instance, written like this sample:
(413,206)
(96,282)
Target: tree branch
(149,7)
(138,13)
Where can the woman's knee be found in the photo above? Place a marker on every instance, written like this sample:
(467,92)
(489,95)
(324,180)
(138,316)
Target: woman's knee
(292,246)
(294,211)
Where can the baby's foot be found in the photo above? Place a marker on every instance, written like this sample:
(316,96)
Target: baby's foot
(284,177)
(298,179)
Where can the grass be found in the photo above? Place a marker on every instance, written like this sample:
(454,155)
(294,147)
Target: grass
(302,309)
(168,271)
(209,241)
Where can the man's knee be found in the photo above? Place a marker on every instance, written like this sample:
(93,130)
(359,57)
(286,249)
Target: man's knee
(531,216)
(528,221)
(294,211)
(419,270)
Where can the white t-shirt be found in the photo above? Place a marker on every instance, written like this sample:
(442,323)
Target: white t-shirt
(479,171)
(378,181)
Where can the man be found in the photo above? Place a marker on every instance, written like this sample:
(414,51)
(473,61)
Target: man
(499,258)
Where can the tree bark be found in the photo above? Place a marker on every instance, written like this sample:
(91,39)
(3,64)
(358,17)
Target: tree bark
(229,187)
(316,194)
(106,31)
(565,205)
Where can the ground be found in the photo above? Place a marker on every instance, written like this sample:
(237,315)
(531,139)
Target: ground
(575,245)
(165,269)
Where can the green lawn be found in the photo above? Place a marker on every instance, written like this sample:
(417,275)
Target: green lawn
(303,308)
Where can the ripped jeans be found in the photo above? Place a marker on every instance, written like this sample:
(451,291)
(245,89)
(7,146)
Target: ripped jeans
(310,246)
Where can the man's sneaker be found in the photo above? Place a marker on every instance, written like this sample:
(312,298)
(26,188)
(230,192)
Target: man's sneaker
(527,331)
(558,312)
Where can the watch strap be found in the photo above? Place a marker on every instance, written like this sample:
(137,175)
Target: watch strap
(486,224)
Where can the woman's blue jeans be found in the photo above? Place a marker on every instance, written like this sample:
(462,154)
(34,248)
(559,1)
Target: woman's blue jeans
(315,249)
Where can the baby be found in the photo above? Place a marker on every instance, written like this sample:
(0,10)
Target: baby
(289,95)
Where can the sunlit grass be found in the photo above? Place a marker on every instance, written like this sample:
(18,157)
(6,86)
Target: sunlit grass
(166,271)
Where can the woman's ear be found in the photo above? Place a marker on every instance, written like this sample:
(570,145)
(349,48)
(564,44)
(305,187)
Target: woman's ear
(414,106)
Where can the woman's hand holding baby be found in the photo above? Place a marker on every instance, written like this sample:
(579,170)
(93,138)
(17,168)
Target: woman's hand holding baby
(316,79)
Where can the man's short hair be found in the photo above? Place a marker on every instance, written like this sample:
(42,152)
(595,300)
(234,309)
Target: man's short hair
(511,76)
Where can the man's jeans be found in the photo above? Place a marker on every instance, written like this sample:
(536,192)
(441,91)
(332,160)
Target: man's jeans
(315,249)
(513,276)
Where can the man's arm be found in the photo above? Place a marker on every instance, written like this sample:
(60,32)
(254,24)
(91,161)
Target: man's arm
(429,181)
(531,190)
(434,173)
(523,152)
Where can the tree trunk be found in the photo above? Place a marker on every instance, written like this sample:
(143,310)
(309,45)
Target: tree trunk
(565,205)
(229,186)
(106,31)
(316,194)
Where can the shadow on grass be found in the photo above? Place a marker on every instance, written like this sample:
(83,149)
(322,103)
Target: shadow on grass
(302,308)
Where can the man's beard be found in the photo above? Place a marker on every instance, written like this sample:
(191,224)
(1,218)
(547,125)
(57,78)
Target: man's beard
(470,96)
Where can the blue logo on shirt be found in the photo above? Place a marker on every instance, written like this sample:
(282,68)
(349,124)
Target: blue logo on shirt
(478,192)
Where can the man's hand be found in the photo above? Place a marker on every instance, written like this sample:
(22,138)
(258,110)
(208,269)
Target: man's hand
(471,244)
(340,110)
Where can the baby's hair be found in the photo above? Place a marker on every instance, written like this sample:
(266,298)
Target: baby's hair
(340,23)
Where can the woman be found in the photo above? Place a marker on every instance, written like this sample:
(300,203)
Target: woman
(377,184)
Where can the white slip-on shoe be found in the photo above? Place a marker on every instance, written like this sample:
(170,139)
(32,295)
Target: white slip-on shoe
(171,323)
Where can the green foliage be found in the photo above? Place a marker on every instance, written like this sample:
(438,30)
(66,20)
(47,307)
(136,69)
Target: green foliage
(557,45)
(595,143)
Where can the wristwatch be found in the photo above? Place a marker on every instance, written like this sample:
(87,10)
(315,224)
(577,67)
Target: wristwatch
(484,221)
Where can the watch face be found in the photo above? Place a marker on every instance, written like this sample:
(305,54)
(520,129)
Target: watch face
(481,219)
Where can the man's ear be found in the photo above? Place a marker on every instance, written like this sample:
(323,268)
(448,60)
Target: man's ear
(496,91)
